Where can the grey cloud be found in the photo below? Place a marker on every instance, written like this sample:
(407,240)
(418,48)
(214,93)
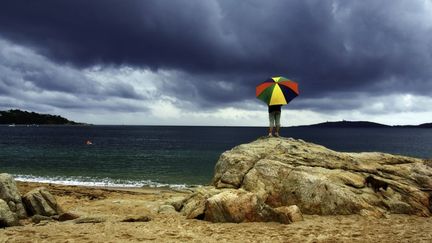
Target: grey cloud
(27,78)
(332,48)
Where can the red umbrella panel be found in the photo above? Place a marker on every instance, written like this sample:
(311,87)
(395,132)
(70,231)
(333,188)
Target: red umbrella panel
(277,91)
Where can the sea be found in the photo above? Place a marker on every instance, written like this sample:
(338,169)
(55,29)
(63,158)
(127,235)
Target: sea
(167,156)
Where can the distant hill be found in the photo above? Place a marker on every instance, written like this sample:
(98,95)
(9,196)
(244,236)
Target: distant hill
(425,125)
(349,124)
(363,124)
(28,118)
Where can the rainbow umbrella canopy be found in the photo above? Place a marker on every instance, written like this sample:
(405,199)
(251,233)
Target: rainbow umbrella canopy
(277,91)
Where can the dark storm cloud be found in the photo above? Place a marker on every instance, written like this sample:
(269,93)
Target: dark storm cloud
(28,80)
(153,33)
(224,48)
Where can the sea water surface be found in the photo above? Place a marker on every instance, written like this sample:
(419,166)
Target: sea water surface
(177,156)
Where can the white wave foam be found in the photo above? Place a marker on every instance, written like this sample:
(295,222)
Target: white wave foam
(96,182)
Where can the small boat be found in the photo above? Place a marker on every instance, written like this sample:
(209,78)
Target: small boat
(11,125)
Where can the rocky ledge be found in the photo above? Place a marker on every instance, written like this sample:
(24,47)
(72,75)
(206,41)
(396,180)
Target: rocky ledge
(36,205)
(278,179)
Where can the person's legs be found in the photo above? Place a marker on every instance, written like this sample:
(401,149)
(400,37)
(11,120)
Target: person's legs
(272,123)
(277,117)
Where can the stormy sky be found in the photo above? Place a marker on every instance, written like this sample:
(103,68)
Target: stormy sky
(194,62)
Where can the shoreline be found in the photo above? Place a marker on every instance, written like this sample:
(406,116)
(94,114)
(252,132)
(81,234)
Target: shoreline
(112,205)
(101,183)
(27,186)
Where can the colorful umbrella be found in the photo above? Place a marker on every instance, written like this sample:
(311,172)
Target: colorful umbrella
(277,91)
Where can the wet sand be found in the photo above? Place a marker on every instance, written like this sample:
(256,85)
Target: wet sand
(112,205)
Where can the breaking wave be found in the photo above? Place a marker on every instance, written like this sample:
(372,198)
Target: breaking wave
(96,182)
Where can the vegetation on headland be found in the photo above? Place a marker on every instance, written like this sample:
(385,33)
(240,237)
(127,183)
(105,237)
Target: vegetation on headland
(29,118)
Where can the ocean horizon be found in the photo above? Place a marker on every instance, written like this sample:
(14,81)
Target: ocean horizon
(167,156)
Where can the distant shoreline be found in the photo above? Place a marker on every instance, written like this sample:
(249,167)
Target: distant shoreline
(319,125)
(19,117)
(363,124)
(24,118)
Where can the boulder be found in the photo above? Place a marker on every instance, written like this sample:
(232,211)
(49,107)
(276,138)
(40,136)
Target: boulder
(10,194)
(166,209)
(240,206)
(285,171)
(194,206)
(7,217)
(292,212)
(40,202)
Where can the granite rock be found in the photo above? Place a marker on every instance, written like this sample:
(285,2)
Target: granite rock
(10,194)
(39,201)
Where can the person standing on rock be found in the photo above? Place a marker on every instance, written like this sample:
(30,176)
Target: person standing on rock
(275,92)
(274,118)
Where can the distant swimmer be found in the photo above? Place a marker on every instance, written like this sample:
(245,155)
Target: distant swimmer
(88,142)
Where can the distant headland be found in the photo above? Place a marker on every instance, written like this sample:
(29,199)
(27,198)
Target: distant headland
(362,124)
(19,117)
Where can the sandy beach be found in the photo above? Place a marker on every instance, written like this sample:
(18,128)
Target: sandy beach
(112,205)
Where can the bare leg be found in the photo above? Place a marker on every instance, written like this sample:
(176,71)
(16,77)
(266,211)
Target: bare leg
(277,123)
(272,123)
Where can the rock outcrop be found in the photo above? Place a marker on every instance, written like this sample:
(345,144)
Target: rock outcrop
(7,217)
(272,174)
(239,206)
(194,206)
(39,201)
(10,194)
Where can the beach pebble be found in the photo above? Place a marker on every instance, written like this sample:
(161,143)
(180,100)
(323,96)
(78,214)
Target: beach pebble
(89,220)
(67,216)
(38,218)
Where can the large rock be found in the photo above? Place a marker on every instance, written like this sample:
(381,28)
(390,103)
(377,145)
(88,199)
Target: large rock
(39,201)
(7,217)
(194,206)
(285,171)
(10,194)
(239,206)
